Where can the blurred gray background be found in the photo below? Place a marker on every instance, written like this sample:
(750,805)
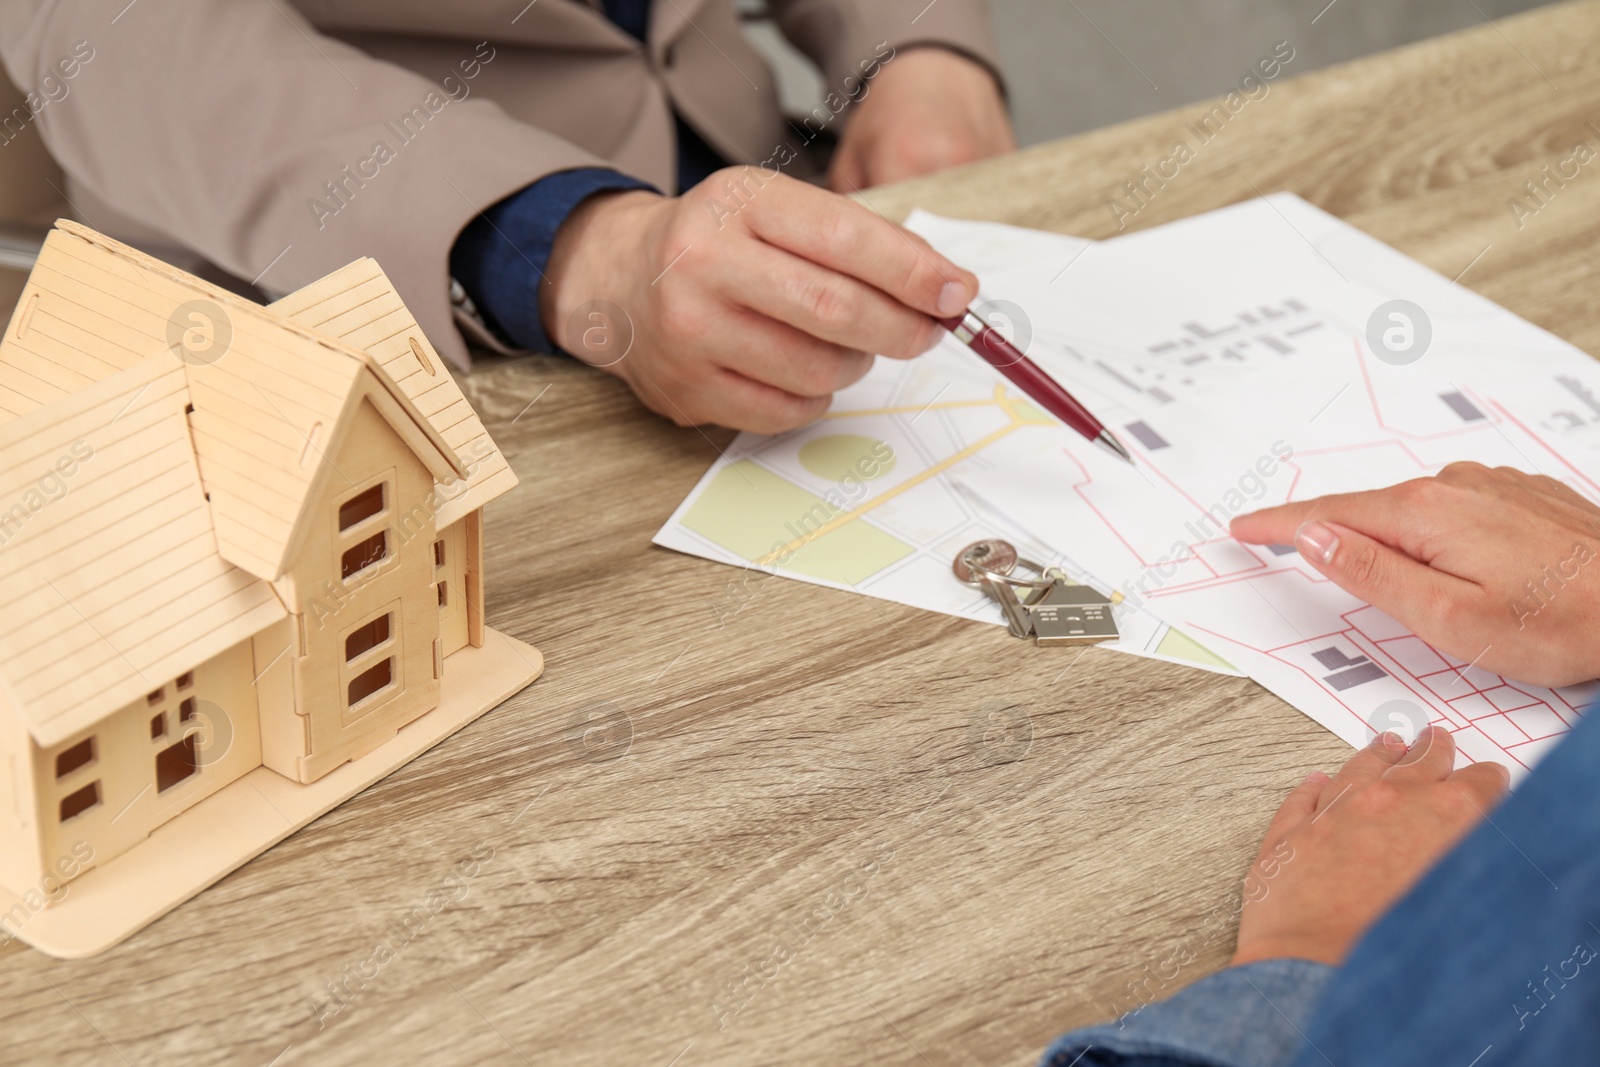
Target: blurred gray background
(1073,65)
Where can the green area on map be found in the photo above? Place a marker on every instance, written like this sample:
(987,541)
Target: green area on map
(752,512)
(1180,645)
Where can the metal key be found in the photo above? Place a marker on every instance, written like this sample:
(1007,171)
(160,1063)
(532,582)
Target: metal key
(1018,621)
(991,554)
(983,564)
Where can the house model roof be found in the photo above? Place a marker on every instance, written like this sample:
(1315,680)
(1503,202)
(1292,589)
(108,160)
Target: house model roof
(110,570)
(148,497)
(358,305)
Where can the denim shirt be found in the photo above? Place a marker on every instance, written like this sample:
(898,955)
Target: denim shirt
(1249,1016)
(1492,959)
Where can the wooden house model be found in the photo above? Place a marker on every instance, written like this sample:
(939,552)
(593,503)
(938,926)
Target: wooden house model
(241,559)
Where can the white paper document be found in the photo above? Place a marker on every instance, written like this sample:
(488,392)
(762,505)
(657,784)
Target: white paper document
(1262,353)
(1231,353)
(870,499)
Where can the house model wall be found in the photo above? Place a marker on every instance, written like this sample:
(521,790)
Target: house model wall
(241,551)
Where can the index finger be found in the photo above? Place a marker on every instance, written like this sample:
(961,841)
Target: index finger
(1389,515)
(844,236)
(1431,758)
(1368,765)
(1483,783)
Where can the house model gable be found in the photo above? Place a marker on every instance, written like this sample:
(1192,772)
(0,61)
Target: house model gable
(359,306)
(266,394)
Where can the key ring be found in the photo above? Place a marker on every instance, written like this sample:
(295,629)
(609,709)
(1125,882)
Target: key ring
(969,571)
(1041,582)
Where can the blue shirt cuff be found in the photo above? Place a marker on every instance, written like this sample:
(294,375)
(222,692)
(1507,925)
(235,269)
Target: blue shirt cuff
(1249,1016)
(500,257)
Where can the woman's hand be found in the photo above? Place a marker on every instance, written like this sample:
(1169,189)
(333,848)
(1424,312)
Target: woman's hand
(1494,567)
(1341,850)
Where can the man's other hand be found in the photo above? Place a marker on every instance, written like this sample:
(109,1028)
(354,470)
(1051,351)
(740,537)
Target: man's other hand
(928,109)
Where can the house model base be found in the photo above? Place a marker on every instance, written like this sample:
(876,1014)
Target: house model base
(206,843)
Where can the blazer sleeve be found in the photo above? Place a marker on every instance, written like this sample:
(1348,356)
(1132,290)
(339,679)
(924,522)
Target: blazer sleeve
(279,153)
(841,35)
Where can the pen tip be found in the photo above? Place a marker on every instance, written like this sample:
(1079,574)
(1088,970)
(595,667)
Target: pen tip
(1111,444)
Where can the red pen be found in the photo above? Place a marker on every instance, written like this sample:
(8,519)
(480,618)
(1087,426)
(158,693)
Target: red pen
(1026,375)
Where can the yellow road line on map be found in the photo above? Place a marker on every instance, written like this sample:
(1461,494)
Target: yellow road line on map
(919,410)
(945,464)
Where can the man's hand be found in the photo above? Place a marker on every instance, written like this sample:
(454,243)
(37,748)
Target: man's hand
(927,109)
(748,301)
(1495,567)
(1341,850)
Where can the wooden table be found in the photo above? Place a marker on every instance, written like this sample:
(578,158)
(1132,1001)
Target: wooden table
(793,766)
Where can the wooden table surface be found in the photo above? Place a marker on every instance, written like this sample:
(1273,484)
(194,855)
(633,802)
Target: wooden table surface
(792,844)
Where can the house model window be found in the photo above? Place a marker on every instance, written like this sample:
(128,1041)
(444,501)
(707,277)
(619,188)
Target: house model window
(361,507)
(80,801)
(367,637)
(364,554)
(79,755)
(68,763)
(175,763)
(370,682)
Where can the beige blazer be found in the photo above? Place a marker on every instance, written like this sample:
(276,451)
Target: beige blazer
(282,142)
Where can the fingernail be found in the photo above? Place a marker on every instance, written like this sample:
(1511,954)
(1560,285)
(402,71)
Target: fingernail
(1316,541)
(1393,741)
(1316,776)
(952,299)
(1428,733)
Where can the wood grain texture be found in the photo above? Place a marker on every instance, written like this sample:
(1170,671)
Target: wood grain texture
(710,759)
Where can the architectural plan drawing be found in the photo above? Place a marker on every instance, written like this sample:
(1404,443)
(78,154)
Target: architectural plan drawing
(1233,353)
(869,498)
(1326,415)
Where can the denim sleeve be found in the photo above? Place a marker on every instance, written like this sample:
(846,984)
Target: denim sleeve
(500,257)
(1248,1016)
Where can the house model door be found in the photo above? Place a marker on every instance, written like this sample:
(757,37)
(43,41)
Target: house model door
(450,580)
